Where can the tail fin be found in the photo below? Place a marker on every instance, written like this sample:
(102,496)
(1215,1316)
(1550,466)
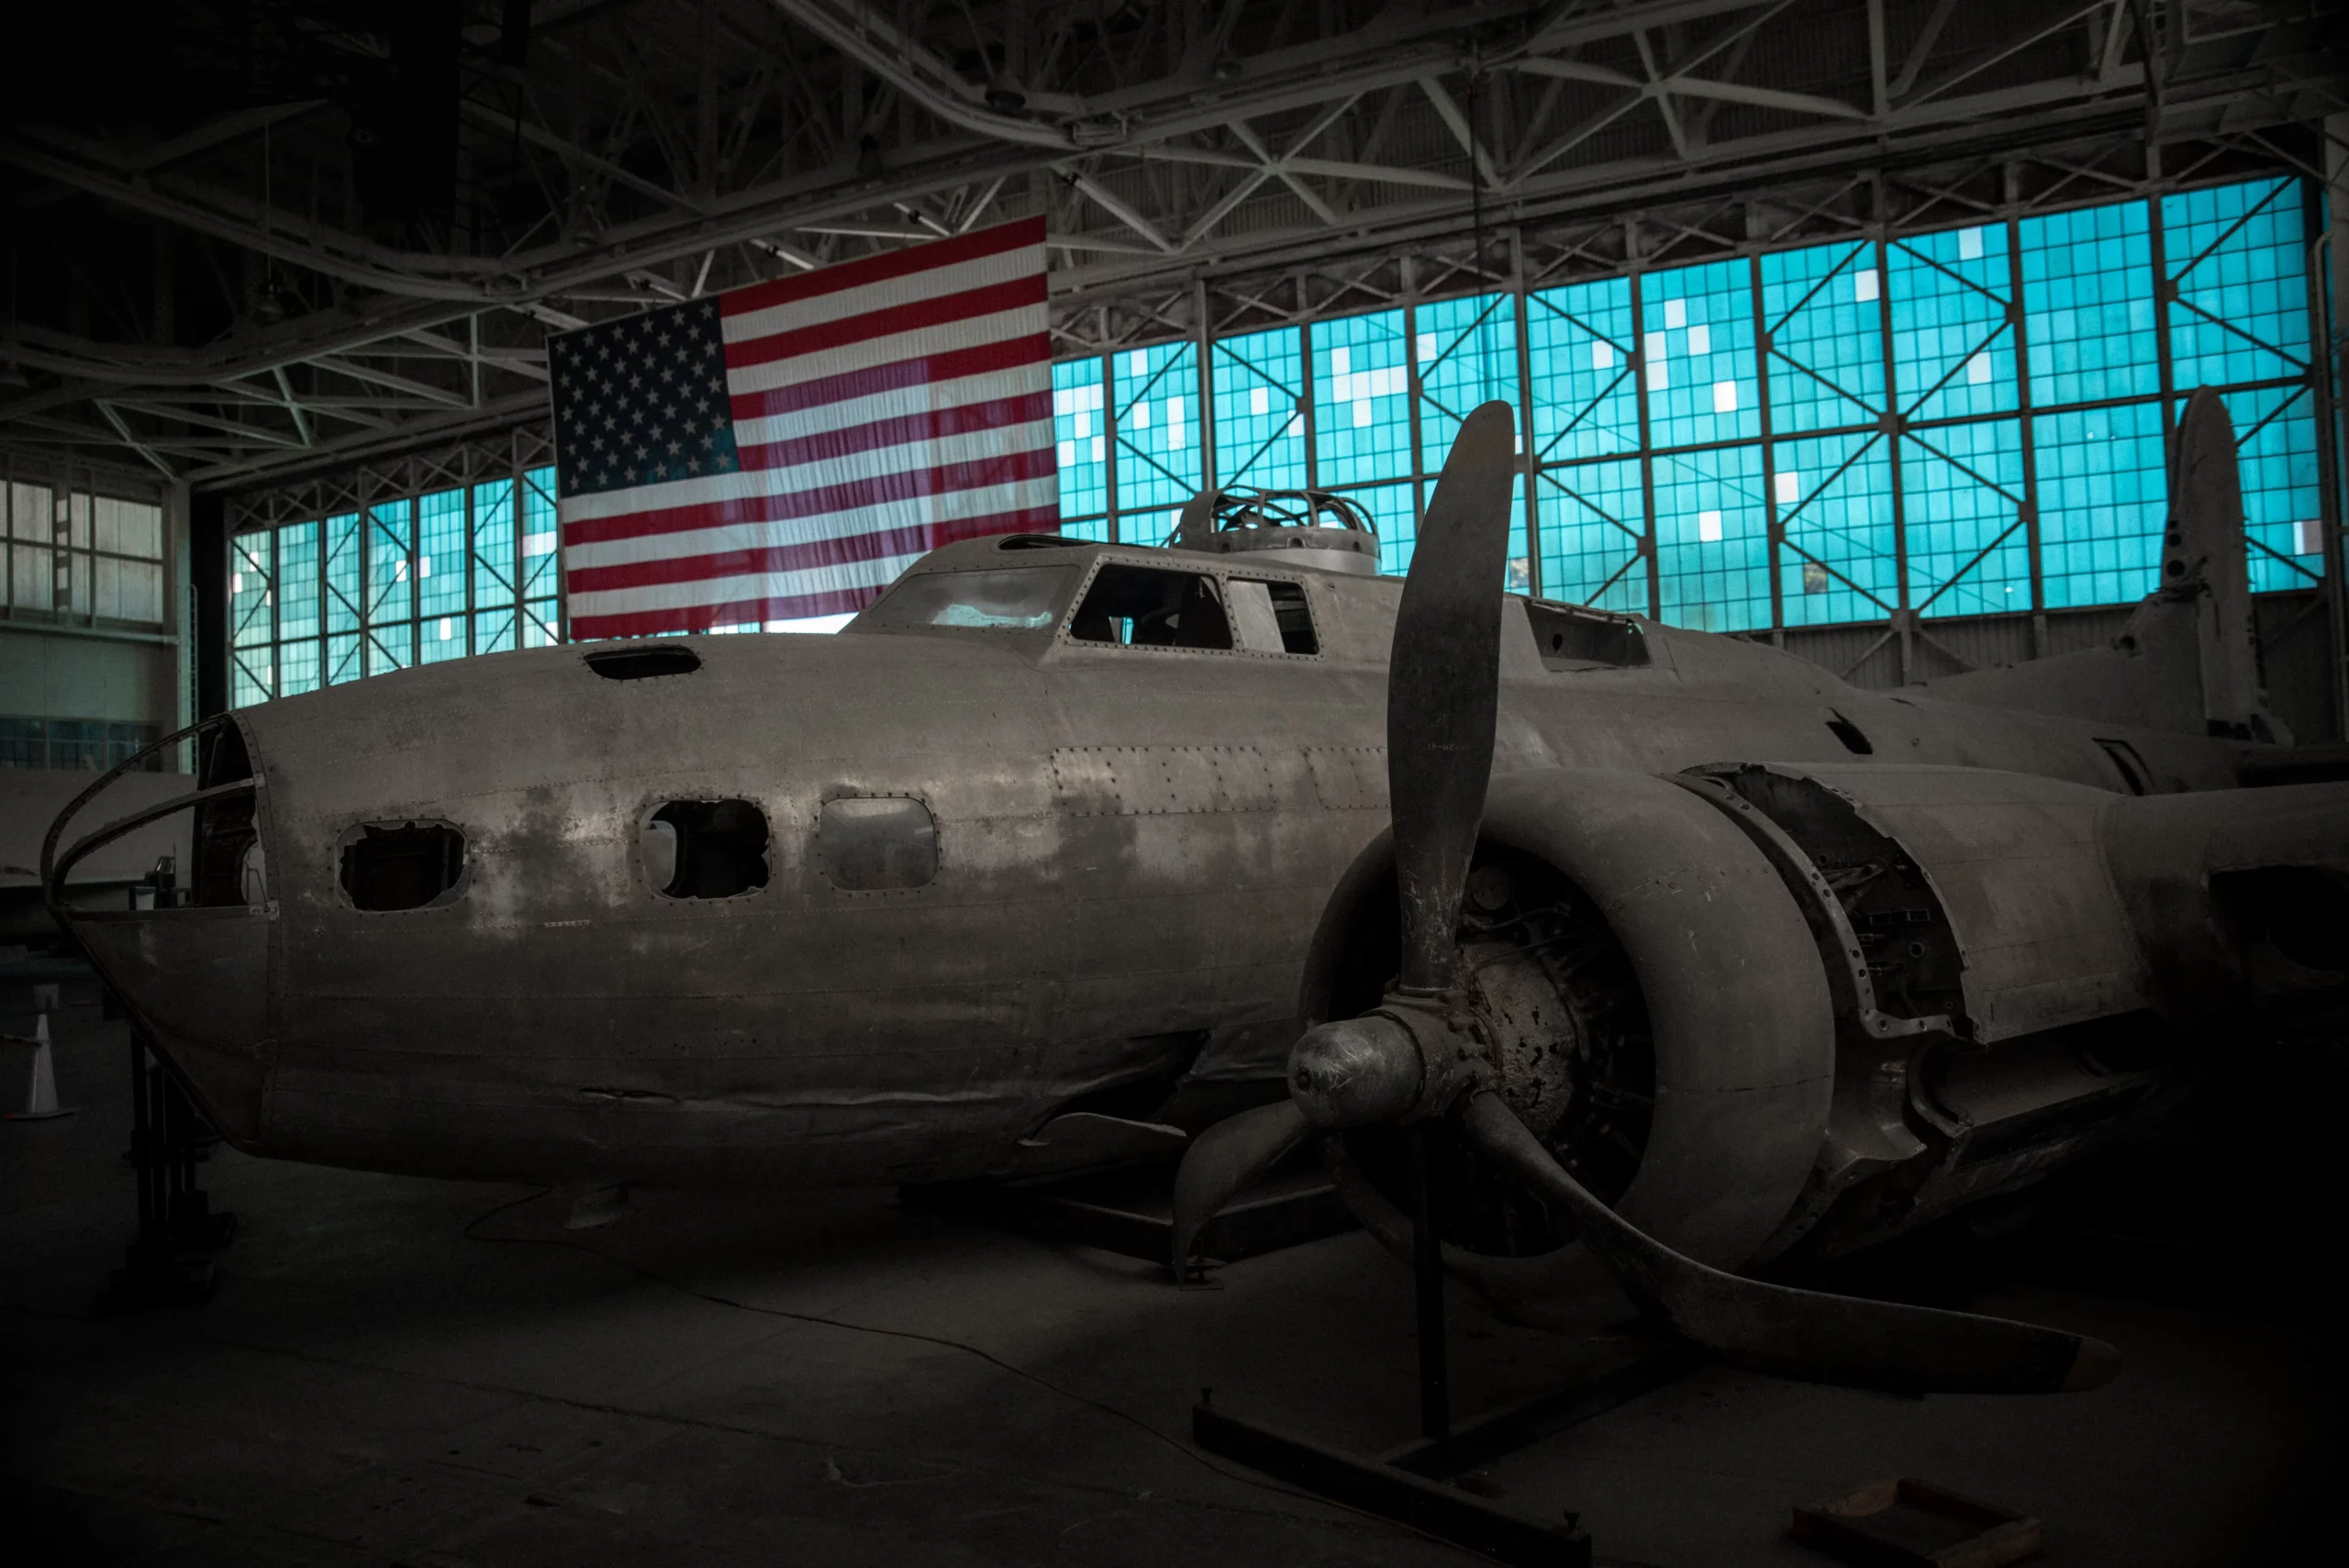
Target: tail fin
(2188,659)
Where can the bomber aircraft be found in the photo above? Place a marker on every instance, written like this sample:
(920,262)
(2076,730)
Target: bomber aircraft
(1683,955)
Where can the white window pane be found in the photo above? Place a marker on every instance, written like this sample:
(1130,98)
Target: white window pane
(1658,346)
(1969,244)
(1659,373)
(1724,398)
(1361,413)
(1789,486)
(1675,313)
(1427,346)
(1602,355)
(1709,526)
(28,510)
(1068,454)
(1139,414)
(1260,401)
(1864,284)
(33,585)
(1700,339)
(1342,361)
(1978,369)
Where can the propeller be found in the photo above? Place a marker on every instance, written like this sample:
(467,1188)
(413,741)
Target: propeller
(1421,1055)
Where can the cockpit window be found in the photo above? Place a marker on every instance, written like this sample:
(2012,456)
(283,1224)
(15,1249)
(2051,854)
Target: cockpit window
(1145,606)
(1021,599)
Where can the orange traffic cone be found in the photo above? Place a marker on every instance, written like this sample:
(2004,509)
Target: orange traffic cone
(41,1096)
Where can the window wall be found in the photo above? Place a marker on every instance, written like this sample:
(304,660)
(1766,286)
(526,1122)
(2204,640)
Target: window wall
(77,553)
(404,580)
(1956,422)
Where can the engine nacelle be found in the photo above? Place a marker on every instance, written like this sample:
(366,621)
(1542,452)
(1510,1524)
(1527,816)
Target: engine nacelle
(1868,996)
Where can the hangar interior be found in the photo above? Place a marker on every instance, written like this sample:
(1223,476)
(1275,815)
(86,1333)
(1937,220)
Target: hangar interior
(1859,329)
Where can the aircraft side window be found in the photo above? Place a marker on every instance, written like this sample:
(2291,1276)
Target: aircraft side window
(706,849)
(1148,607)
(875,843)
(1271,617)
(1019,598)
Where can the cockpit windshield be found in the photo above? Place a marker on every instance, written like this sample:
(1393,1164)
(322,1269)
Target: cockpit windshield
(1021,599)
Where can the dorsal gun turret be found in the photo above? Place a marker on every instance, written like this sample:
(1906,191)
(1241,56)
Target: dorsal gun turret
(1330,532)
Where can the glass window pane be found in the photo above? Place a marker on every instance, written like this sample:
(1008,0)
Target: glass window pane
(1081,427)
(78,515)
(2242,310)
(32,576)
(342,660)
(493,559)
(1156,393)
(494,631)
(251,561)
(297,666)
(441,557)
(2088,289)
(1580,343)
(297,581)
(1952,345)
(391,538)
(541,562)
(1834,498)
(1466,351)
(2103,498)
(1712,531)
(1825,316)
(251,676)
(540,627)
(2275,455)
(1362,399)
(1961,496)
(1096,529)
(1698,357)
(1259,411)
(29,512)
(345,592)
(1593,524)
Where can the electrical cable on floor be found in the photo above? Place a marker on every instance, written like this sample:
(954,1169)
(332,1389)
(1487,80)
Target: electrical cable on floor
(472,1233)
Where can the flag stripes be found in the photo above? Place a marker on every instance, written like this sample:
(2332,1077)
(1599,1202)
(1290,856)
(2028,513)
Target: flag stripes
(866,414)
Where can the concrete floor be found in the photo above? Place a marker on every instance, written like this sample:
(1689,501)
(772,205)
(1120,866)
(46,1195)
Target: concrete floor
(419,1372)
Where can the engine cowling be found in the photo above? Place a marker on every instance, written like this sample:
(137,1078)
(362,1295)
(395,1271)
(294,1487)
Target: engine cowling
(1731,1003)
(1847,999)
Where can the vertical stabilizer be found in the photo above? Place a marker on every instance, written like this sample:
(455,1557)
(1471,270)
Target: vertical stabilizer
(2203,560)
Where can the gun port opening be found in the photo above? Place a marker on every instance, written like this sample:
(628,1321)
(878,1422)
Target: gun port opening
(389,866)
(706,849)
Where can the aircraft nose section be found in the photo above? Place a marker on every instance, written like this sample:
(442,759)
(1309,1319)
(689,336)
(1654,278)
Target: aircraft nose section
(198,981)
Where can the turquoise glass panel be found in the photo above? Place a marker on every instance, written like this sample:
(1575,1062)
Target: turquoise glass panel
(1953,345)
(1155,393)
(494,631)
(1833,496)
(1696,355)
(542,555)
(296,584)
(2283,507)
(346,588)
(2088,292)
(1962,493)
(1712,537)
(1581,345)
(297,666)
(542,624)
(1394,510)
(493,559)
(1081,427)
(251,676)
(2102,503)
(1824,311)
(1260,406)
(1594,528)
(1466,352)
(441,555)
(2238,254)
(253,563)
(1094,528)
(342,660)
(1362,400)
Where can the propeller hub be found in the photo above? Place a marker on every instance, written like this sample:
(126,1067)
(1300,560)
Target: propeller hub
(1352,1073)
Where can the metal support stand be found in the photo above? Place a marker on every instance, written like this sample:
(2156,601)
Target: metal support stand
(171,1259)
(1412,1485)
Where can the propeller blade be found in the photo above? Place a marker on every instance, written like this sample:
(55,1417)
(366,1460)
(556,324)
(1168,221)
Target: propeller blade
(1803,1334)
(1443,689)
(1226,1160)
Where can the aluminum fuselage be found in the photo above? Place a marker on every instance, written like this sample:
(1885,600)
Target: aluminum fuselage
(1135,845)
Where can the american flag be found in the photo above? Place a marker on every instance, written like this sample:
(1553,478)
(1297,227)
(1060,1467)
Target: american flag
(786,450)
